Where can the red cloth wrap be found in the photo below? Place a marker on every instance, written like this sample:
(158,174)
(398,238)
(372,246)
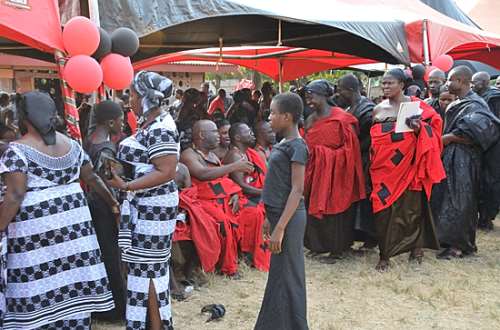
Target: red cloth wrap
(334,173)
(251,218)
(404,160)
(213,197)
(201,228)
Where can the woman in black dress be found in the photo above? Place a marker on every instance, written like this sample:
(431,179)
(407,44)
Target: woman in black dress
(284,304)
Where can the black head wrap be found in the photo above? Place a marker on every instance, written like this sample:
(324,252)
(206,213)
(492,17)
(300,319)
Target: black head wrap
(320,87)
(398,74)
(153,88)
(107,110)
(40,110)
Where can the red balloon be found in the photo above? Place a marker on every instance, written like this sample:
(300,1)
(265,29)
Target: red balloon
(117,70)
(80,36)
(428,70)
(83,73)
(443,62)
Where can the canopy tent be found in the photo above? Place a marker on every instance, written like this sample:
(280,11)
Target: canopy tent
(177,25)
(429,33)
(32,29)
(452,10)
(485,13)
(279,63)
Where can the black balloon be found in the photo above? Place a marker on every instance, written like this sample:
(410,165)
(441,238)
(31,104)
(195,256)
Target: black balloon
(104,45)
(124,41)
(418,72)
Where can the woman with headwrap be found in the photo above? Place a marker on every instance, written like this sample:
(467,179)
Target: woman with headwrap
(102,151)
(404,167)
(149,210)
(334,174)
(55,276)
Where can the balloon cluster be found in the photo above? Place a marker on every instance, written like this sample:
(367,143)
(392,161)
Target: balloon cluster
(86,44)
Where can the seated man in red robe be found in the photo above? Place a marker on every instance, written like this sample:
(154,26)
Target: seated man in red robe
(334,174)
(217,194)
(252,215)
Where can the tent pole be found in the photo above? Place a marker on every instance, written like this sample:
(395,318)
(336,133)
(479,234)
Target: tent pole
(425,43)
(279,33)
(68,95)
(94,12)
(280,74)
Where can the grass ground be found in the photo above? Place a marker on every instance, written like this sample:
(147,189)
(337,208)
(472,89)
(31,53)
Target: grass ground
(459,294)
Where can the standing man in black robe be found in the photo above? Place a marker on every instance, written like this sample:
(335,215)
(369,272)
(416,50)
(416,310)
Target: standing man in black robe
(349,93)
(489,198)
(437,78)
(470,129)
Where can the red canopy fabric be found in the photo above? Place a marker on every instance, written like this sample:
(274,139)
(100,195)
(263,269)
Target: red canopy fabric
(294,62)
(36,25)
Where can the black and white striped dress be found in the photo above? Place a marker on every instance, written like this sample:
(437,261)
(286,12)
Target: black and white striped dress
(148,222)
(55,277)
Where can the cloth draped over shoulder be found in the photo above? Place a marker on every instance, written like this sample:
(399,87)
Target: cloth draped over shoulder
(402,161)
(334,173)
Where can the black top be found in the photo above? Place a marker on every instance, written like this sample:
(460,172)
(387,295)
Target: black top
(278,183)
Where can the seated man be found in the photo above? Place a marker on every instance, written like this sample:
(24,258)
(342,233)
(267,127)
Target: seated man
(252,215)
(217,194)
(265,138)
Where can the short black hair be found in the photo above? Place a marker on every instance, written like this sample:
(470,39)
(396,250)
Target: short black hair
(222,123)
(289,103)
(235,130)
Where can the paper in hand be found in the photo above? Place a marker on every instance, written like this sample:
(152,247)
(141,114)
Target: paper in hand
(406,110)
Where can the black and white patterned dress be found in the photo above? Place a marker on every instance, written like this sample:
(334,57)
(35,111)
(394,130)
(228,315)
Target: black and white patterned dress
(55,277)
(148,222)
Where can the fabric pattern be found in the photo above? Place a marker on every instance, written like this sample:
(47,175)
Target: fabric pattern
(148,222)
(54,269)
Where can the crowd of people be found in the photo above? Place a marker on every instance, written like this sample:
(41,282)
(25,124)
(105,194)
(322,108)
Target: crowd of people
(158,195)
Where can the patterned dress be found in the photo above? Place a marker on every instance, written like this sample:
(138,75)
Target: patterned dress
(148,222)
(55,277)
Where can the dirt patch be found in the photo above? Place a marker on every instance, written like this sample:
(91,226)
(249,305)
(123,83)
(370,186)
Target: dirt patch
(459,294)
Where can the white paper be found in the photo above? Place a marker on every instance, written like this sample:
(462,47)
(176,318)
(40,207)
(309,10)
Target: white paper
(406,110)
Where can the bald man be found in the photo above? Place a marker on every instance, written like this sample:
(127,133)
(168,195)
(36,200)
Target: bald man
(252,215)
(481,85)
(437,78)
(349,92)
(217,194)
(470,129)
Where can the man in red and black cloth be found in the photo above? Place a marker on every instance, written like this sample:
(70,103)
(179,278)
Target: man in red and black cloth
(252,214)
(334,179)
(217,193)
(404,167)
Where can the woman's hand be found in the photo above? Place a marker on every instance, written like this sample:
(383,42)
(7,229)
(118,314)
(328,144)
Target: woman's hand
(276,239)
(116,182)
(414,123)
(235,203)
(266,230)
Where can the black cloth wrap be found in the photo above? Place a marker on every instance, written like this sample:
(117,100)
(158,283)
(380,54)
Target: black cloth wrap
(40,110)
(397,73)
(320,87)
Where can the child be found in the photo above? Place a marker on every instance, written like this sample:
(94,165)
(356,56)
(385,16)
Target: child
(284,303)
